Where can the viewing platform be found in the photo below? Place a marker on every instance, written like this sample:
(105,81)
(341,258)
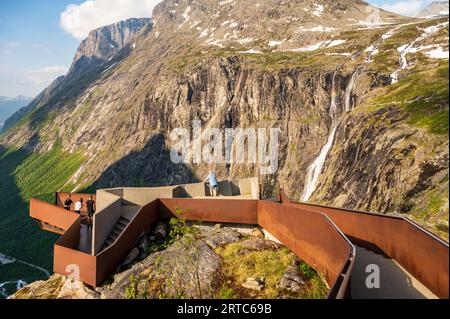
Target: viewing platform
(338,243)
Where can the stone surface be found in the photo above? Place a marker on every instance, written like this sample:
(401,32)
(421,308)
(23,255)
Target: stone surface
(257,233)
(187,268)
(254,283)
(131,257)
(219,237)
(257,244)
(291,280)
(56,287)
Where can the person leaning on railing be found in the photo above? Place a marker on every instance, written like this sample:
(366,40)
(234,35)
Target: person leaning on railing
(211,180)
(78,206)
(68,202)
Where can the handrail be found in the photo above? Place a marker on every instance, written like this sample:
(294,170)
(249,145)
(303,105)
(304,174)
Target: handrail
(109,258)
(410,221)
(314,238)
(51,214)
(346,272)
(419,251)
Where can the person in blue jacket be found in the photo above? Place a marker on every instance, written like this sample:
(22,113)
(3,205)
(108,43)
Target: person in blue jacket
(211,179)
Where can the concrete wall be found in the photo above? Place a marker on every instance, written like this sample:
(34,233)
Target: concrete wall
(109,210)
(143,196)
(195,190)
(247,188)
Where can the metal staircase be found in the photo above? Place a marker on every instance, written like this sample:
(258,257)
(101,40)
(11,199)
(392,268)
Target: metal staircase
(117,230)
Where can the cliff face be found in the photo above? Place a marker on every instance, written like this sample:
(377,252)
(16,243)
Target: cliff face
(322,72)
(105,42)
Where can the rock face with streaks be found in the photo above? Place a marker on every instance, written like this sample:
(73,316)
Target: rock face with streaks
(268,64)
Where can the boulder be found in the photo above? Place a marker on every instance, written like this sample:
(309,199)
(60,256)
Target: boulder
(256,232)
(257,244)
(254,283)
(132,256)
(161,230)
(76,290)
(291,280)
(220,237)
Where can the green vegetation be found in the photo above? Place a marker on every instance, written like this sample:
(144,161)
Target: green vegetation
(423,96)
(178,229)
(431,209)
(270,264)
(131,291)
(24,175)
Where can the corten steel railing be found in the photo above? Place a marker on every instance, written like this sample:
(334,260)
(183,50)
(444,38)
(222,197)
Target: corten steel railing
(211,210)
(93,270)
(68,260)
(60,197)
(110,258)
(52,215)
(423,254)
(313,238)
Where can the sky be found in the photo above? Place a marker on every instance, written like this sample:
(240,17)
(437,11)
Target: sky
(38,38)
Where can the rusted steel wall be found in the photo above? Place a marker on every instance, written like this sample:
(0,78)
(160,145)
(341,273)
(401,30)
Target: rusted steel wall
(420,252)
(61,197)
(111,257)
(74,263)
(312,237)
(51,214)
(212,210)
(68,261)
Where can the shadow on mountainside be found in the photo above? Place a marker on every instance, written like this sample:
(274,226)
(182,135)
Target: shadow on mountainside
(148,167)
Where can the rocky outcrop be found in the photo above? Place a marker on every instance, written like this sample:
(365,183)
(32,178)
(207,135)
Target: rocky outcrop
(193,266)
(56,287)
(104,43)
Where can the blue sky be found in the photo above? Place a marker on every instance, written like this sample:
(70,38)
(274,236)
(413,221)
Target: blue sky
(38,38)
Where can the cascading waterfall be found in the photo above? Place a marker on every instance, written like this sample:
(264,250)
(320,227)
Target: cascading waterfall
(314,170)
(348,91)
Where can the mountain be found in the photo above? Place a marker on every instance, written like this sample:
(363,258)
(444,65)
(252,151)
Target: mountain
(105,42)
(360,97)
(10,105)
(98,49)
(434,10)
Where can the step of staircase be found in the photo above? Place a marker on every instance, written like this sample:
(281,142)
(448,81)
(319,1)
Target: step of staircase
(115,233)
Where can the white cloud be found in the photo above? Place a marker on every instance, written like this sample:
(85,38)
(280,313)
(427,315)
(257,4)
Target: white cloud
(45,76)
(406,7)
(79,20)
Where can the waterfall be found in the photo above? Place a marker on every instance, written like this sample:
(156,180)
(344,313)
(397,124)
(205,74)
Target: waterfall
(314,170)
(348,91)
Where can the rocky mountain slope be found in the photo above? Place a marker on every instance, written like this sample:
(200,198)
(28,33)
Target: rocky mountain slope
(360,96)
(434,10)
